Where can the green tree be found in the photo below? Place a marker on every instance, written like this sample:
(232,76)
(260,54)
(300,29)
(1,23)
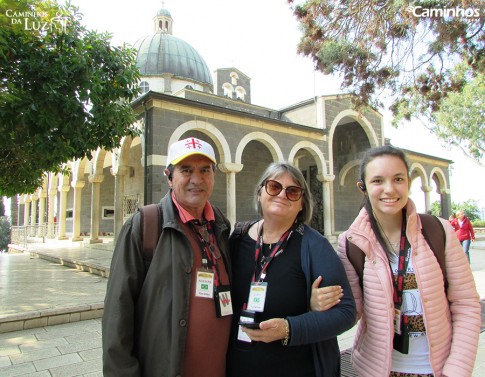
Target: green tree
(469,207)
(436,209)
(64,91)
(413,52)
(460,109)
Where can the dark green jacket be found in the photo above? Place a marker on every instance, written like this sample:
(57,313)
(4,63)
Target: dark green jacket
(145,318)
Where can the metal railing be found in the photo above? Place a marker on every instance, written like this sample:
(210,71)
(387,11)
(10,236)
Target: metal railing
(22,235)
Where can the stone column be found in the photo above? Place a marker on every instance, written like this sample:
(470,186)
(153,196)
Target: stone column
(230,169)
(50,212)
(96,185)
(42,198)
(62,213)
(33,215)
(119,174)
(445,203)
(27,201)
(76,211)
(328,224)
(427,197)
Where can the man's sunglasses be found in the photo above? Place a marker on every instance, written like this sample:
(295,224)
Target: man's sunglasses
(274,188)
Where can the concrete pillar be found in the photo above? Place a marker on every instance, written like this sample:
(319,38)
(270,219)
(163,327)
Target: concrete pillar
(42,199)
(445,203)
(33,215)
(50,213)
(62,213)
(328,224)
(76,211)
(230,169)
(27,201)
(119,174)
(95,207)
(427,197)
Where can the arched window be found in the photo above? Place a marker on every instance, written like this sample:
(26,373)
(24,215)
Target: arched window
(228,89)
(234,78)
(145,87)
(240,93)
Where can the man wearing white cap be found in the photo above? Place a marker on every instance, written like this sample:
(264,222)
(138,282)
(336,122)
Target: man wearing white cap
(174,318)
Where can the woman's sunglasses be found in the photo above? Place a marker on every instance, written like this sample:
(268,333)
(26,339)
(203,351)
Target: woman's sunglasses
(274,188)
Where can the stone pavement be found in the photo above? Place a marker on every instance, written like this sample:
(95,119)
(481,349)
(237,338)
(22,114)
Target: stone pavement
(50,315)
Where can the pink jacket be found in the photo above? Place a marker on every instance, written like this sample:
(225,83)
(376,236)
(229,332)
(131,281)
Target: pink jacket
(452,330)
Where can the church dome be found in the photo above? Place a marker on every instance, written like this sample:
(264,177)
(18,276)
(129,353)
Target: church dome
(162,53)
(164,12)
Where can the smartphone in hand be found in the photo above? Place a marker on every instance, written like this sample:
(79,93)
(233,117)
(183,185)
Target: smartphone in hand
(250,325)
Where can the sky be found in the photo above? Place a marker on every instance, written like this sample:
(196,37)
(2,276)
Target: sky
(260,37)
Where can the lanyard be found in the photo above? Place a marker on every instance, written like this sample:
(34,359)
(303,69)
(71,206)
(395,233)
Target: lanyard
(402,264)
(207,250)
(276,250)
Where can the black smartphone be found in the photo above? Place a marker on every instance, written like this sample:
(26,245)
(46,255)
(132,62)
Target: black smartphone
(250,325)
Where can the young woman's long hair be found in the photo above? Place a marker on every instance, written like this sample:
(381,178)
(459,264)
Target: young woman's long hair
(371,154)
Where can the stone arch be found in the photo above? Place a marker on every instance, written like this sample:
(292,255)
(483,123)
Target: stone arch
(441,177)
(362,120)
(314,151)
(417,170)
(265,139)
(98,161)
(78,168)
(216,136)
(346,168)
(350,135)
(124,150)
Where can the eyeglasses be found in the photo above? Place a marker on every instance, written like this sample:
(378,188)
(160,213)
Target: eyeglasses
(274,188)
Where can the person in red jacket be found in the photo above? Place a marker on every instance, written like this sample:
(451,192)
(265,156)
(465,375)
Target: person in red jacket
(464,232)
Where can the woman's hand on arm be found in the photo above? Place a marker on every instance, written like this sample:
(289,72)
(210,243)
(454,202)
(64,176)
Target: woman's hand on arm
(326,297)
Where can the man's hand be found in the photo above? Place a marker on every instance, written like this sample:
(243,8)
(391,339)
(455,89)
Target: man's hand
(326,297)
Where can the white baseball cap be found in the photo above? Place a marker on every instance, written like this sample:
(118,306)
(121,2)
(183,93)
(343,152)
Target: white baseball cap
(188,147)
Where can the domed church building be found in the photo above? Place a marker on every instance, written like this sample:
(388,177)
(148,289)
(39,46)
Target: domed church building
(169,64)
(181,97)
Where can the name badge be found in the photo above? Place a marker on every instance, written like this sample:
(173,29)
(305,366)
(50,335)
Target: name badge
(257,296)
(247,317)
(223,301)
(204,285)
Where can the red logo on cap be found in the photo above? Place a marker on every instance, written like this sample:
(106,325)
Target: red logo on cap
(193,143)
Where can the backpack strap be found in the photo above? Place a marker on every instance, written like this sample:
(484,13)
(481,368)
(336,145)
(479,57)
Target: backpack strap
(241,228)
(357,258)
(151,228)
(433,233)
(435,236)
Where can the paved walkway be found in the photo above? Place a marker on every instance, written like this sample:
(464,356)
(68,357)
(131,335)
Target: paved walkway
(50,315)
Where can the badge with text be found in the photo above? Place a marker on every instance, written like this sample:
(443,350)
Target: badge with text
(204,285)
(257,296)
(247,316)
(223,301)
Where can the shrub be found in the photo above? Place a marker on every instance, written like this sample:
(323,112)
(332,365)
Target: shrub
(478,223)
(4,233)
